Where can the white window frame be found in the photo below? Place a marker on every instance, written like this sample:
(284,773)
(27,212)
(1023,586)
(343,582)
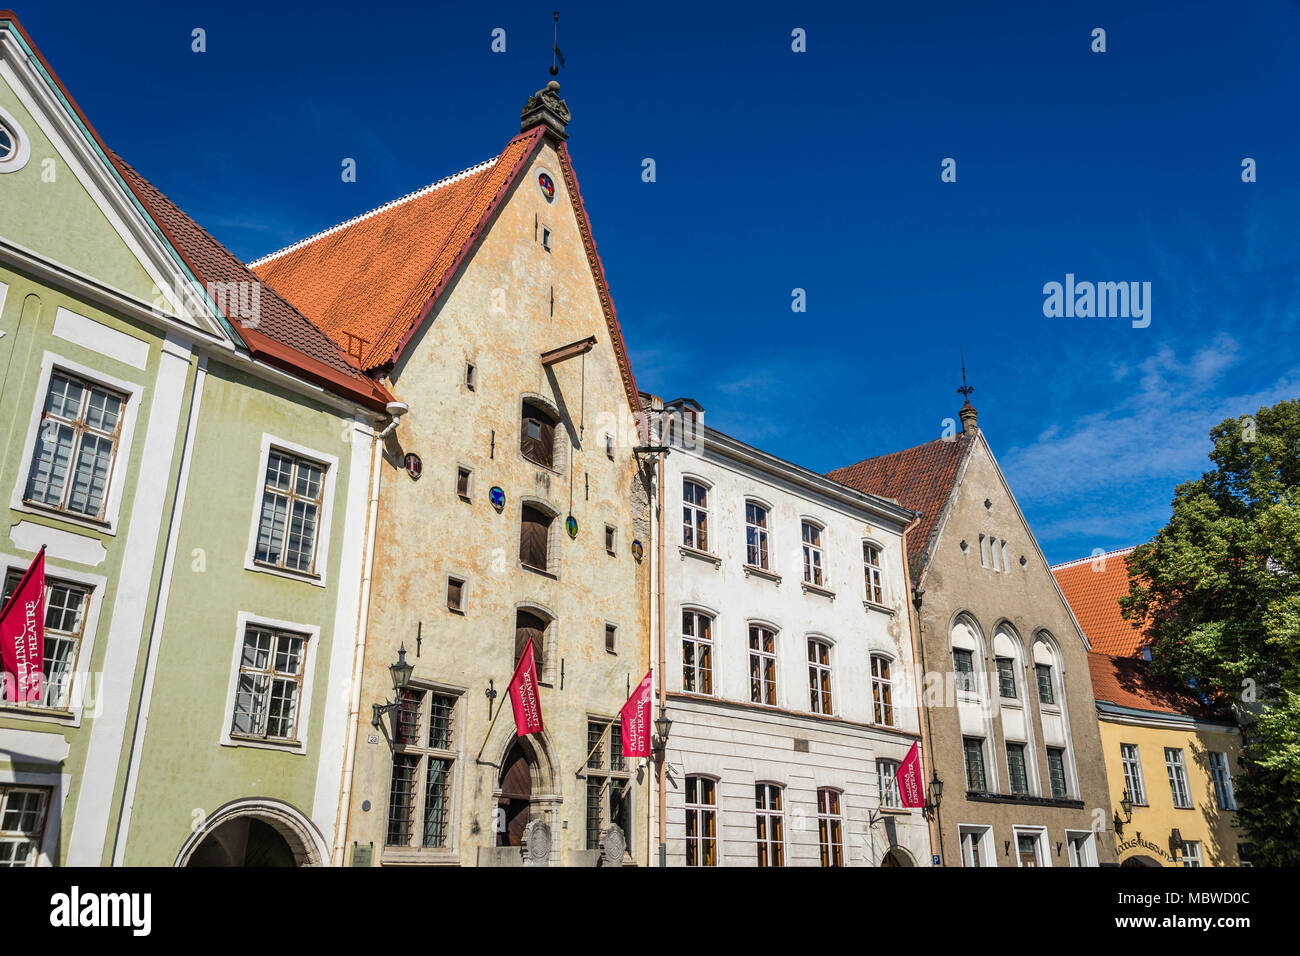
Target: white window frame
(762,533)
(22,145)
(1176,771)
(891,798)
(330,463)
(710,642)
(1139,797)
(1190,859)
(1081,845)
(828,668)
(121,455)
(874,574)
(770,815)
(763,657)
(698,810)
(814,555)
(696,511)
(84,683)
(1221,774)
(887,683)
(982,836)
(830,823)
(311,632)
(1040,843)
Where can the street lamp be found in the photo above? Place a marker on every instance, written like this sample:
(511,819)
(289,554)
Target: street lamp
(663,727)
(1125,804)
(400,671)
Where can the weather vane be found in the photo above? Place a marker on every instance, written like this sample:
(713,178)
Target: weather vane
(555,45)
(965,390)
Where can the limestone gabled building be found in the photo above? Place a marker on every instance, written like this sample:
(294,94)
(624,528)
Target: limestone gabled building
(1009,718)
(512,505)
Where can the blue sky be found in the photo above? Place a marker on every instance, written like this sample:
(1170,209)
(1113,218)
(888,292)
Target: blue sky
(818,170)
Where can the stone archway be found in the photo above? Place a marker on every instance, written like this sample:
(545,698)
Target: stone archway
(1141,859)
(255,832)
(897,856)
(526,787)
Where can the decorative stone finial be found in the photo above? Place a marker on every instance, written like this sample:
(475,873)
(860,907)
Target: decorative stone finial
(969,416)
(545,106)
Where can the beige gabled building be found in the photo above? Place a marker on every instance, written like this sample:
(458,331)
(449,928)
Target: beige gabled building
(511,505)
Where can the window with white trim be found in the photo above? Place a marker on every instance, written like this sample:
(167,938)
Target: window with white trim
(268,695)
(973,751)
(66,605)
(756,535)
(975,850)
(769,820)
(1177,770)
(1132,762)
(697,652)
(1083,850)
(874,572)
(830,827)
(23,812)
(424,763)
(819,676)
(762,664)
(812,555)
(882,691)
(701,822)
(1056,773)
(887,784)
(695,515)
(963,667)
(1006,677)
(1192,854)
(76,447)
(1223,793)
(289,521)
(1046,685)
(8,142)
(1016,770)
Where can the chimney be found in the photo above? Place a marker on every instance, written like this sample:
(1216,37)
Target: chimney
(546,107)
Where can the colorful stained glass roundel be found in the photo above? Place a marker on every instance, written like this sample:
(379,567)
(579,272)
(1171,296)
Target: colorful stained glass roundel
(571,526)
(497,497)
(546,184)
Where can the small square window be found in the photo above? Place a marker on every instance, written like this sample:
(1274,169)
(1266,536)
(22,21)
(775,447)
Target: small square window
(471,376)
(611,536)
(456,595)
(611,638)
(462,483)
(546,238)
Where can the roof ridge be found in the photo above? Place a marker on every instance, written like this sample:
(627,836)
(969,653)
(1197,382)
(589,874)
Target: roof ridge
(889,454)
(422,191)
(1093,557)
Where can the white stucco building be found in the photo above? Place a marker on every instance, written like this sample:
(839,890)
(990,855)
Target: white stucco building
(787,661)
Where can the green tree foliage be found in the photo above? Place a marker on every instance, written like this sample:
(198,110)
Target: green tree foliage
(1218,590)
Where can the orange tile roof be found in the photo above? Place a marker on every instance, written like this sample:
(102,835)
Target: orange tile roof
(920,478)
(283,336)
(368,281)
(1127,682)
(1093,586)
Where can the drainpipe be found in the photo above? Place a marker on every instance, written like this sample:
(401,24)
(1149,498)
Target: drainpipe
(916,634)
(359,651)
(663,666)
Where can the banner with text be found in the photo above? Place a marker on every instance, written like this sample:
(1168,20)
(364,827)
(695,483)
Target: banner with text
(524,699)
(634,720)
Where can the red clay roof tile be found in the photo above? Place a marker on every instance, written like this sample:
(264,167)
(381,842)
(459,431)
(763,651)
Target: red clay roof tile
(1093,586)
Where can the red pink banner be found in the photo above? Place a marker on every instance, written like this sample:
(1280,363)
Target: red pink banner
(524,698)
(22,636)
(634,720)
(911,788)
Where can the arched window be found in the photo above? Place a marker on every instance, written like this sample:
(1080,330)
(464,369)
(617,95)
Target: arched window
(537,433)
(535,538)
(819,676)
(756,535)
(701,821)
(882,690)
(695,515)
(875,573)
(697,652)
(813,567)
(762,664)
(830,827)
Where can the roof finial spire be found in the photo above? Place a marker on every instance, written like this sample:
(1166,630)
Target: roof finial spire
(545,106)
(556,55)
(969,417)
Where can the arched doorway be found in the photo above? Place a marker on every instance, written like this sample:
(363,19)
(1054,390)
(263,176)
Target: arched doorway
(896,857)
(515,795)
(1141,860)
(255,832)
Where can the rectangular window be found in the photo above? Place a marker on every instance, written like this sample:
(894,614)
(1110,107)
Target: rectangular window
(290,514)
(1082,852)
(874,573)
(611,639)
(974,849)
(1027,849)
(697,652)
(762,665)
(756,535)
(1177,769)
(423,762)
(609,791)
(1016,772)
(269,687)
(819,677)
(882,691)
(1006,677)
(1006,558)
(963,666)
(830,827)
(1056,772)
(610,539)
(812,555)
(701,822)
(72,462)
(1137,791)
(1192,853)
(471,376)
(22,823)
(973,748)
(609,446)
(769,824)
(1223,793)
(695,515)
(546,238)
(65,622)
(984,551)
(1046,688)
(887,783)
(455,595)
(462,483)
(535,538)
